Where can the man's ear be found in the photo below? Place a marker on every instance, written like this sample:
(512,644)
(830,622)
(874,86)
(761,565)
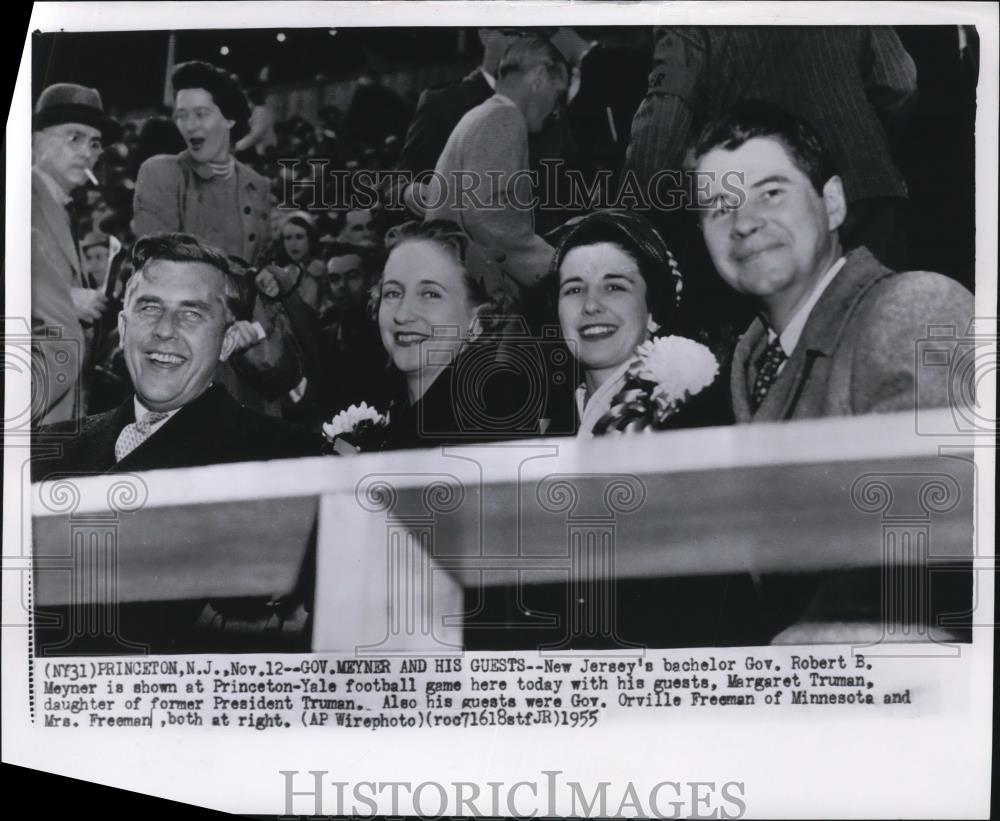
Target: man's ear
(835,201)
(231,124)
(228,343)
(121,326)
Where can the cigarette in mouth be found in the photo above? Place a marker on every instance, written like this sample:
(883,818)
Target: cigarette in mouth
(90,176)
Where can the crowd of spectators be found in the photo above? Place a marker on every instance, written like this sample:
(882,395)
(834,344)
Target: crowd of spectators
(331,254)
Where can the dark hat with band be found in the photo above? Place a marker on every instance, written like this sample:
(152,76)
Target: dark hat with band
(70,103)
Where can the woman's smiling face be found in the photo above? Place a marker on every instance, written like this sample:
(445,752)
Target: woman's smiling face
(602,305)
(425,310)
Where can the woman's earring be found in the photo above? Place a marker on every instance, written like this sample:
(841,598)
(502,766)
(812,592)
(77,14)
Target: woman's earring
(651,325)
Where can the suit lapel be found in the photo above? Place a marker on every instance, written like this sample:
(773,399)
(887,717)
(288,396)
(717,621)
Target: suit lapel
(98,452)
(832,312)
(57,223)
(780,399)
(820,336)
(744,369)
(172,444)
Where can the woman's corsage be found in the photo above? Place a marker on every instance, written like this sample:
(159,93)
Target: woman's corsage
(665,374)
(359,428)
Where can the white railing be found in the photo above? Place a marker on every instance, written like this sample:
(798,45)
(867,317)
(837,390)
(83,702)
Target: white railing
(400,534)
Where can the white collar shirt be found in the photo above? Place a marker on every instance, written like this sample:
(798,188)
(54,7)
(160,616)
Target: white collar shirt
(793,330)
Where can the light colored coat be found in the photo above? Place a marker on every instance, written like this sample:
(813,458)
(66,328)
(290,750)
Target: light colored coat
(858,352)
(59,344)
(493,208)
(171,195)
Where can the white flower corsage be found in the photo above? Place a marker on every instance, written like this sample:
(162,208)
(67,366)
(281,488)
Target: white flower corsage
(358,428)
(667,372)
(677,367)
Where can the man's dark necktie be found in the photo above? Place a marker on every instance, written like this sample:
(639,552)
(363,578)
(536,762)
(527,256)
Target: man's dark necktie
(70,207)
(767,372)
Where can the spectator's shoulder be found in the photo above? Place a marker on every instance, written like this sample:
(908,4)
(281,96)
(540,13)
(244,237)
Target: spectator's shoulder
(467,92)
(921,291)
(77,441)
(76,427)
(499,117)
(902,314)
(161,167)
(902,308)
(255,177)
(434,98)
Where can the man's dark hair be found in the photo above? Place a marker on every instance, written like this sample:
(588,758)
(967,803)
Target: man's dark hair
(527,53)
(755,118)
(346,249)
(335,221)
(175,247)
(225,91)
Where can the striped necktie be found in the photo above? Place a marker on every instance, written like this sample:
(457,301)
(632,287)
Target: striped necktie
(135,433)
(767,372)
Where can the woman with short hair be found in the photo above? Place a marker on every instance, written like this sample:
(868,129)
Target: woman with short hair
(439,327)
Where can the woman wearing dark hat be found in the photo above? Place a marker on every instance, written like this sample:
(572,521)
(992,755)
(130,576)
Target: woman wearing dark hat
(204,190)
(618,288)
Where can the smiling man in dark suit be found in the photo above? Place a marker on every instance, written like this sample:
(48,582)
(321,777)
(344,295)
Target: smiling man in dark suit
(176,327)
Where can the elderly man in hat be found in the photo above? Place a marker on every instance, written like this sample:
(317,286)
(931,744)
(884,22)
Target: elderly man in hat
(70,129)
